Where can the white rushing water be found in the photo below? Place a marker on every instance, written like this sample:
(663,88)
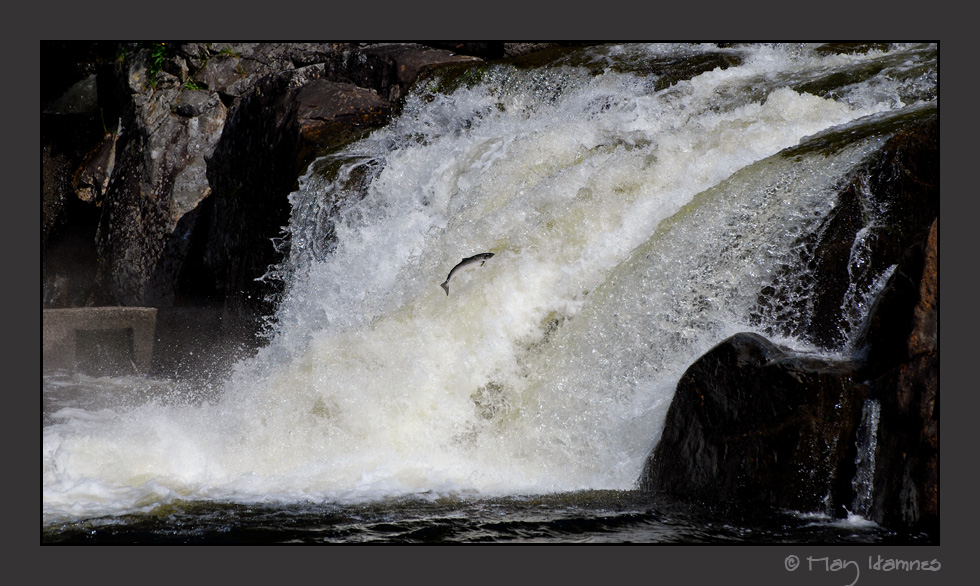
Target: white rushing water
(632,229)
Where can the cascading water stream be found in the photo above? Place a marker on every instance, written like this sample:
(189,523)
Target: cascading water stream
(632,229)
(867,443)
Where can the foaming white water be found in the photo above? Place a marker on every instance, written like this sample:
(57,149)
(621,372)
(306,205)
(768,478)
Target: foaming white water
(632,228)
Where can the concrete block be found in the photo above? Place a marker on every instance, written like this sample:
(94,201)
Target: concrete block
(98,338)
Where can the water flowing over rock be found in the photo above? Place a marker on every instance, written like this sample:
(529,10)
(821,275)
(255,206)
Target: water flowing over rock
(754,427)
(273,132)
(885,209)
(714,278)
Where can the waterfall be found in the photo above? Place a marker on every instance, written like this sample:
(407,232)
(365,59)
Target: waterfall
(634,219)
(867,442)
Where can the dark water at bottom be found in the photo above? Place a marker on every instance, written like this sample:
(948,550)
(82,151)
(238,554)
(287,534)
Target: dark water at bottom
(586,517)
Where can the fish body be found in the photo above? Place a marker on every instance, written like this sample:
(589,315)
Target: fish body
(476,260)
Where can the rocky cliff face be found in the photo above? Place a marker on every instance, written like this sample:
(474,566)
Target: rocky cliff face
(755,427)
(166,167)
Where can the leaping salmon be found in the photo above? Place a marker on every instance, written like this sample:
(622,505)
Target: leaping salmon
(475,260)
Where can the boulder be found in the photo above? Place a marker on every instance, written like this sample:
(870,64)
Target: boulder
(411,61)
(329,114)
(758,427)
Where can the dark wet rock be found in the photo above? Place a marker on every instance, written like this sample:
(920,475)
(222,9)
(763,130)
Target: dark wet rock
(409,62)
(758,426)
(892,319)
(231,69)
(491,50)
(71,263)
(80,98)
(70,130)
(924,338)
(850,48)
(903,361)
